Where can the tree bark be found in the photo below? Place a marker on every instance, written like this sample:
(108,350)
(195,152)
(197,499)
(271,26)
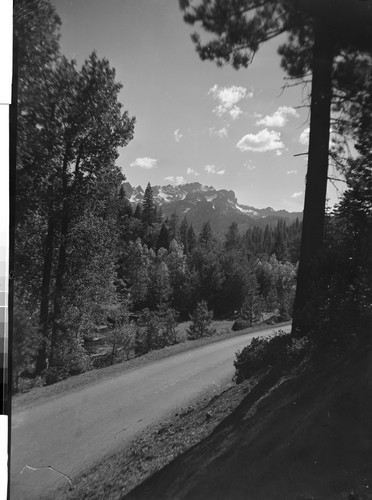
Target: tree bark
(45,291)
(61,270)
(62,260)
(317,173)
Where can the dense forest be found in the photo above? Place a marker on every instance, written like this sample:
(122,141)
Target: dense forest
(87,261)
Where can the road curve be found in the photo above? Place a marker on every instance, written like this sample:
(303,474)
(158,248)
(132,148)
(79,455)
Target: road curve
(75,430)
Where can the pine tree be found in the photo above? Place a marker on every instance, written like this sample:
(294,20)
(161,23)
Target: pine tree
(191,238)
(253,303)
(232,237)
(201,321)
(163,238)
(124,210)
(267,240)
(148,207)
(173,226)
(184,227)
(280,248)
(159,285)
(176,262)
(137,266)
(138,212)
(206,239)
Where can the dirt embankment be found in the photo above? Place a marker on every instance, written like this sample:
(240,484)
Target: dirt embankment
(303,437)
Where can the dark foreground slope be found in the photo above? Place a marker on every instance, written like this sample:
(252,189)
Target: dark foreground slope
(307,436)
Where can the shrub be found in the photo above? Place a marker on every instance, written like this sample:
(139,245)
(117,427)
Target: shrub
(169,321)
(70,359)
(155,330)
(279,350)
(240,324)
(123,342)
(26,342)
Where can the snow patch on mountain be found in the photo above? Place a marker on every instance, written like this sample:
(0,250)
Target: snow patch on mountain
(163,196)
(246,210)
(211,198)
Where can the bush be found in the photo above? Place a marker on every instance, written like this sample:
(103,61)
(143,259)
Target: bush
(70,359)
(279,350)
(122,341)
(26,342)
(169,322)
(240,324)
(155,330)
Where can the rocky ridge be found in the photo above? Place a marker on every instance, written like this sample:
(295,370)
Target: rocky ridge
(201,203)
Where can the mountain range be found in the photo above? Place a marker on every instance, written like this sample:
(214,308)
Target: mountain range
(202,203)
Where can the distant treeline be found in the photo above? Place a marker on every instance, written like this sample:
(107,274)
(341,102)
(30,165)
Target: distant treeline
(146,221)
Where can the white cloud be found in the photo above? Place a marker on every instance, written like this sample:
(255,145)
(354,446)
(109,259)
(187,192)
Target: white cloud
(291,172)
(234,112)
(177,135)
(297,195)
(191,171)
(178,179)
(279,118)
(264,140)
(222,132)
(145,162)
(304,136)
(211,169)
(228,98)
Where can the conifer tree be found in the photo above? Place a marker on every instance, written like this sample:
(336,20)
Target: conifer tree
(201,321)
(173,226)
(163,238)
(206,239)
(138,212)
(184,227)
(191,238)
(148,207)
(280,248)
(253,303)
(232,237)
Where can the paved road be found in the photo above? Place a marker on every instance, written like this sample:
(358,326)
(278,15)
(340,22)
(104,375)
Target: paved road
(75,430)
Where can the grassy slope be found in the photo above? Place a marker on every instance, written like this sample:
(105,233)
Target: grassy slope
(307,437)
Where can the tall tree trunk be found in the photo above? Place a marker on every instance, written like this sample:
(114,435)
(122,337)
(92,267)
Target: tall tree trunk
(62,259)
(317,172)
(45,291)
(60,273)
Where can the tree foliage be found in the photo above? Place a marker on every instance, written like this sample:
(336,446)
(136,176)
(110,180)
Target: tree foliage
(70,126)
(201,321)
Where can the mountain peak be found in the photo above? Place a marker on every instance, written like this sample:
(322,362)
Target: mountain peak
(202,203)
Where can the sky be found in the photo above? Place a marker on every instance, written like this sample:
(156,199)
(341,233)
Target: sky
(195,122)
